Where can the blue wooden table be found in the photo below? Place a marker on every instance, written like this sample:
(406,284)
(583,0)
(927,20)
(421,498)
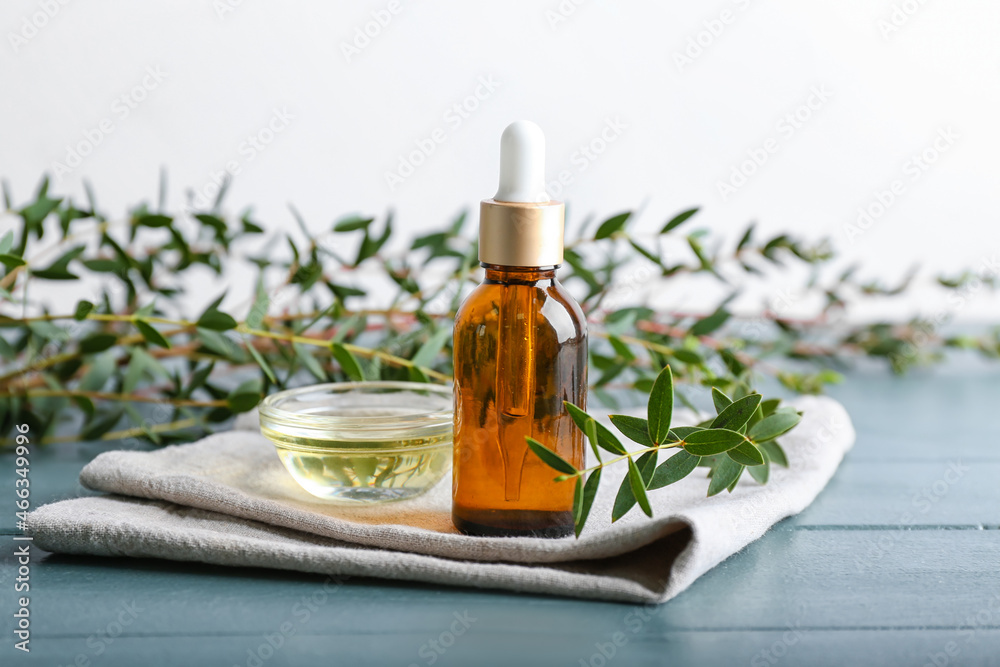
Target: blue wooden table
(896,563)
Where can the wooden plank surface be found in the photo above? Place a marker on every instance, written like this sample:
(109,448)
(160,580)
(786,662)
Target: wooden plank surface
(897,562)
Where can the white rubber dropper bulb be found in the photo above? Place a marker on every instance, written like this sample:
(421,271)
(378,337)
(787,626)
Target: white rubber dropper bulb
(522,164)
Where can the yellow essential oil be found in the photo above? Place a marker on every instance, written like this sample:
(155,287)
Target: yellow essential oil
(363,470)
(362,442)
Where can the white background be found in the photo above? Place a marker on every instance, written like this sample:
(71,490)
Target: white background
(686,125)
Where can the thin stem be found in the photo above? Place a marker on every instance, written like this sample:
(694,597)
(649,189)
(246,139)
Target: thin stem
(108,396)
(125,433)
(666,445)
(260,333)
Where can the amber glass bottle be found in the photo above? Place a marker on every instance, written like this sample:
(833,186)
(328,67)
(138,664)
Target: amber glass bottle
(520,351)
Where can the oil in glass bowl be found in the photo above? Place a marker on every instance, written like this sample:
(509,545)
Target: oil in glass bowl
(362,442)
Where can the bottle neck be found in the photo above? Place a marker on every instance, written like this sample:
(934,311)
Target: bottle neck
(518,274)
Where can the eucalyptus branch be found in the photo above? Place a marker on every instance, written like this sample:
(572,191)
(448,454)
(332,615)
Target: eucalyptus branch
(742,436)
(307,319)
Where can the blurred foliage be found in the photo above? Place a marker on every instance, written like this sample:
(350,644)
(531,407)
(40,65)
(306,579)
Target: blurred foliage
(132,362)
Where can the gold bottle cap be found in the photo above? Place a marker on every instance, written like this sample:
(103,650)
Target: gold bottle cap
(520,225)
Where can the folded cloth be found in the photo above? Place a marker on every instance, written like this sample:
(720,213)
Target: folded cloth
(227,500)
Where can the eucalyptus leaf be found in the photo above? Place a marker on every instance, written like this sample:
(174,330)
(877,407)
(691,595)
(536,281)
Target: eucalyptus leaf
(612,225)
(726,472)
(661,406)
(348,362)
(674,469)
(720,400)
(151,335)
(771,427)
(635,429)
(775,453)
(589,493)
(678,220)
(712,441)
(638,487)
(747,454)
(737,414)
(605,438)
(550,458)
(216,320)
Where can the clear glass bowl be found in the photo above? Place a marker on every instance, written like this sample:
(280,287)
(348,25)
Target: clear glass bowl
(362,442)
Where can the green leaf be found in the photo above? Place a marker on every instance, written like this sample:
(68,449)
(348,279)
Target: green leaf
(738,413)
(151,335)
(732,485)
(707,325)
(106,265)
(771,427)
(679,433)
(153,220)
(624,500)
(646,253)
(590,431)
(605,438)
(417,375)
(775,453)
(100,423)
(769,406)
(726,472)
(83,309)
(635,429)
(577,501)
(612,225)
(11,261)
(746,238)
(550,458)
(370,246)
(261,361)
(712,441)
(348,362)
(661,406)
(589,493)
(761,473)
(746,454)
(36,212)
(97,342)
(309,361)
(428,351)
(221,345)
(261,303)
(638,487)
(678,220)
(675,468)
(688,357)
(245,397)
(7,242)
(134,372)
(720,400)
(351,223)
(100,371)
(48,331)
(216,320)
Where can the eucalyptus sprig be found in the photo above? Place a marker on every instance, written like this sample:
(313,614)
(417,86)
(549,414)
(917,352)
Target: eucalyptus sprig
(135,358)
(742,436)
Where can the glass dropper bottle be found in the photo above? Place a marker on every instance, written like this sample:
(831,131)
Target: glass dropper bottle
(520,351)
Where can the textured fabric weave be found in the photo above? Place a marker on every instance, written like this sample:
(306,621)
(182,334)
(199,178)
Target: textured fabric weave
(227,500)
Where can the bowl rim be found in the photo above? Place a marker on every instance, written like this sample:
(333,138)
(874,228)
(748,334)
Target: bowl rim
(271,413)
